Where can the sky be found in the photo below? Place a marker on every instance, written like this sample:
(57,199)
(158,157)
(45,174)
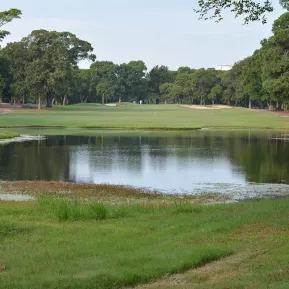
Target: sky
(159,32)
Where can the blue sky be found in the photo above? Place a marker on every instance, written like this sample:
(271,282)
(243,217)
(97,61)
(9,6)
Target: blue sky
(159,32)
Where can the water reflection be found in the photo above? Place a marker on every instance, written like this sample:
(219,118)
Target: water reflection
(175,162)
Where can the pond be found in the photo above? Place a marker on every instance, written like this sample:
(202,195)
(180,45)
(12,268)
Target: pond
(242,163)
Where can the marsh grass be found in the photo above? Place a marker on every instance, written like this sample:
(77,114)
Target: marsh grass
(106,193)
(65,209)
(74,210)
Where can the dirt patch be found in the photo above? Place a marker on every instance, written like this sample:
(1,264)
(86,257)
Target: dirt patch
(206,106)
(209,274)
(277,112)
(8,107)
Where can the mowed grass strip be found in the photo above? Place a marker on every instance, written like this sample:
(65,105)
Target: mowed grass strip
(41,250)
(4,134)
(152,117)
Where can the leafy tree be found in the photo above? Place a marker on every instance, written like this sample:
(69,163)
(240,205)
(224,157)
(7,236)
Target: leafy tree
(6,17)
(184,69)
(172,92)
(103,89)
(275,68)
(156,77)
(184,80)
(203,81)
(3,75)
(215,93)
(85,86)
(16,56)
(233,83)
(105,78)
(252,10)
(252,81)
(131,81)
(52,58)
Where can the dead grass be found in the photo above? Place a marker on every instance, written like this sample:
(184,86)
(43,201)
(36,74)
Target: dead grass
(209,274)
(206,106)
(105,192)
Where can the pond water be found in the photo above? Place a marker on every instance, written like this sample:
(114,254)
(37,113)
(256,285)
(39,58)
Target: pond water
(242,163)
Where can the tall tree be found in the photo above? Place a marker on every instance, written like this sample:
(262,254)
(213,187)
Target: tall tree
(52,58)
(156,77)
(275,61)
(131,81)
(105,78)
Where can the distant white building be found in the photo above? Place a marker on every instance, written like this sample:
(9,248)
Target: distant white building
(224,67)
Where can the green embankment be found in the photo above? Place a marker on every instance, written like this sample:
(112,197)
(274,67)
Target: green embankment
(80,243)
(142,117)
(8,134)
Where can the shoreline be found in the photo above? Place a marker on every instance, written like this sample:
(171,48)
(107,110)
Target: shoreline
(127,193)
(105,128)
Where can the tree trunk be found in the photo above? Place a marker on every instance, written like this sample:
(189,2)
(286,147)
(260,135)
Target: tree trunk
(1,98)
(277,105)
(271,106)
(39,103)
(250,103)
(49,99)
(64,100)
(102,100)
(24,98)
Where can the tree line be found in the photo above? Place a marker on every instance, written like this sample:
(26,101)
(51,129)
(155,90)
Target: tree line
(43,68)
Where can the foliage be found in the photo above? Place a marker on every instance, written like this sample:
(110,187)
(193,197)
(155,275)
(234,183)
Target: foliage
(6,17)
(252,10)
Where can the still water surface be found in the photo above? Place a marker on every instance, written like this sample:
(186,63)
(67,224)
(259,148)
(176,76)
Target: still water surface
(188,162)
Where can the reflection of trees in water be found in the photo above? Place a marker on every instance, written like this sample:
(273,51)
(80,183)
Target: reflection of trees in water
(33,160)
(58,158)
(263,161)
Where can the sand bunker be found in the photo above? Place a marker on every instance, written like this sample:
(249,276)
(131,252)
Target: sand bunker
(207,107)
(110,104)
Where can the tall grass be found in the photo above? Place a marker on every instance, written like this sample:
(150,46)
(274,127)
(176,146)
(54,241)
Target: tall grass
(77,210)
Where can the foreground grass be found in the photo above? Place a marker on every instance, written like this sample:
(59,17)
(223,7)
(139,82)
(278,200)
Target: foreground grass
(8,134)
(165,117)
(78,242)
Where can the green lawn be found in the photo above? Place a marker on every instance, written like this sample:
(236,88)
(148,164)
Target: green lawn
(53,243)
(7,134)
(143,117)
